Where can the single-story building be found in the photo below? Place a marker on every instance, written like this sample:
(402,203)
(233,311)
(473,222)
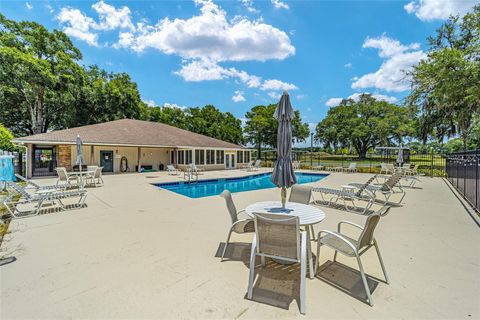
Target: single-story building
(127,146)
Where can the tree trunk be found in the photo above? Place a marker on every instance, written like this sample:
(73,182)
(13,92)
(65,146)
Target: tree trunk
(259,149)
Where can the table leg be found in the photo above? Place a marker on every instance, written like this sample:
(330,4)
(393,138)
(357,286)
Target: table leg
(309,253)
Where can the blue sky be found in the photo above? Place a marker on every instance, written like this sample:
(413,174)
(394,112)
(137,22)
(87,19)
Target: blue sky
(238,54)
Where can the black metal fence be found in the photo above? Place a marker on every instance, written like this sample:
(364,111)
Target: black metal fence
(429,164)
(463,171)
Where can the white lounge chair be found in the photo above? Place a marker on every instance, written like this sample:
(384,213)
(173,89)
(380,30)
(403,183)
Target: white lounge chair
(248,165)
(255,166)
(352,167)
(351,247)
(171,170)
(32,184)
(196,169)
(390,187)
(346,195)
(278,236)
(238,225)
(36,200)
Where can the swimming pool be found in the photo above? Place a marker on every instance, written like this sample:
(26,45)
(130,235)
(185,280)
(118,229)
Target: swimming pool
(206,188)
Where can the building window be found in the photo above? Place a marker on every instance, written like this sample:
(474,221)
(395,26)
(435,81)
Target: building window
(220,156)
(199,156)
(239,156)
(210,156)
(188,156)
(247,156)
(180,157)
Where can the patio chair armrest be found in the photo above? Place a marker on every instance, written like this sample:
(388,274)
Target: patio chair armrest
(242,226)
(339,236)
(349,223)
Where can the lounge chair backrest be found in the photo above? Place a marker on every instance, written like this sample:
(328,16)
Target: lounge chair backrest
(383,166)
(27,181)
(366,236)
(390,166)
(257,163)
(352,166)
(364,186)
(170,167)
(406,166)
(232,210)
(300,194)
(391,182)
(278,235)
(62,173)
(19,189)
(98,172)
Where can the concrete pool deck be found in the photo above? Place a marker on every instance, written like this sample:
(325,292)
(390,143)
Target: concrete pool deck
(138,251)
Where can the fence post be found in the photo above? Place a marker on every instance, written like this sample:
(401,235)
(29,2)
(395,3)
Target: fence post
(431,162)
(342,159)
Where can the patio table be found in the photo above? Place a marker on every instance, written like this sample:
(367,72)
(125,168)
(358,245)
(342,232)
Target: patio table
(80,175)
(308,215)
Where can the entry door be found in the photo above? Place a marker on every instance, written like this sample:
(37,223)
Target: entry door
(229,161)
(106,160)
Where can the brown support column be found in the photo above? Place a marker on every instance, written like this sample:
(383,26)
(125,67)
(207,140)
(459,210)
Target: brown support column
(29,164)
(92,155)
(139,158)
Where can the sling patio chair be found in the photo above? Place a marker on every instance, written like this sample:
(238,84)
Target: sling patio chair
(302,194)
(387,168)
(238,225)
(38,199)
(33,185)
(407,181)
(255,165)
(248,165)
(278,236)
(96,177)
(351,247)
(347,195)
(64,180)
(352,167)
(390,187)
(196,169)
(171,170)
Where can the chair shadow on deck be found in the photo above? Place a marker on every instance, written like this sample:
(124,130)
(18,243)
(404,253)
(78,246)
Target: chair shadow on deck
(276,284)
(346,279)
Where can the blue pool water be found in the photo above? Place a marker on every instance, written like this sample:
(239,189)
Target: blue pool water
(206,188)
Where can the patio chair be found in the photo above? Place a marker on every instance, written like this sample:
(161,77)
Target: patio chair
(388,188)
(248,165)
(96,177)
(38,199)
(35,185)
(64,178)
(255,166)
(302,194)
(351,168)
(278,236)
(387,168)
(238,225)
(346,195)
(196,169)
(319,167)
(171,170)
(351,247)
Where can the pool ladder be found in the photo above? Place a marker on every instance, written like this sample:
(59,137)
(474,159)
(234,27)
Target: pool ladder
(189,175)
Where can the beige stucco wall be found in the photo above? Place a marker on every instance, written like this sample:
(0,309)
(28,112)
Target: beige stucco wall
(149,156)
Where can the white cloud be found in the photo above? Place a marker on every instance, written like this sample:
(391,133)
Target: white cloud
(274,84)
(248,4)
(205,70)
(210,35)
(174,106)
(238,96)
(428,10)
(112,18)
(78,25)
(398,59)
(278,4)
(150,103)
(274,95)
(347,65)
(28,5)
(333,102)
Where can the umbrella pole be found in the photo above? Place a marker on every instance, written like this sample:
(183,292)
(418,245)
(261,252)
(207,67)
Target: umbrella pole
(284,196)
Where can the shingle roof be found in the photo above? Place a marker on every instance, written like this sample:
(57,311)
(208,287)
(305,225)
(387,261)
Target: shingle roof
(129,132)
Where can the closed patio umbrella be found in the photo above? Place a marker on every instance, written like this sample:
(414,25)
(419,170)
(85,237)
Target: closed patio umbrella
(400,155)
(79,161)
(283,175)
